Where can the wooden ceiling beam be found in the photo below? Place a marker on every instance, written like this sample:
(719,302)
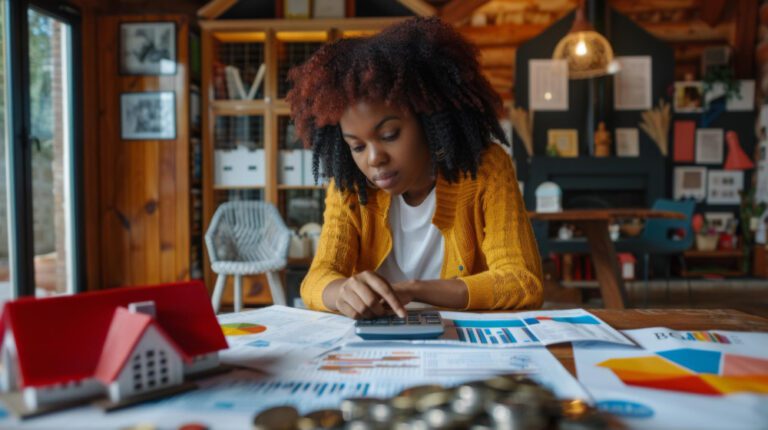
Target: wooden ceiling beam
(215,8)
(634,6)
(712,11)
(502,35)
(459,10)
(419,7)
(691,31)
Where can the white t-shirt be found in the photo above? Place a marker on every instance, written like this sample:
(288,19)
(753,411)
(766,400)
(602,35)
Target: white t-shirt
(417,245)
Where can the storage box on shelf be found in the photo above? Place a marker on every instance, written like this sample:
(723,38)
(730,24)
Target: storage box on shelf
(249,146)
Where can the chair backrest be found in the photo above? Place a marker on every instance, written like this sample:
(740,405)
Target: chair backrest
(247,231)
(656,233)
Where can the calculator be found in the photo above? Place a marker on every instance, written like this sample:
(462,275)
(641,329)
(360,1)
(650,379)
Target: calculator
(419,324)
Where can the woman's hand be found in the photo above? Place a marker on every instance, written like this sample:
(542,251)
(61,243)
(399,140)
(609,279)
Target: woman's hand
(363,295)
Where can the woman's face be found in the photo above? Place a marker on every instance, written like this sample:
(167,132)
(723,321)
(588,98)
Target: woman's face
(389,147)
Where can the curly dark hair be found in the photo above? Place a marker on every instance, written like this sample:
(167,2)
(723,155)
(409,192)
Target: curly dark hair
(422,65)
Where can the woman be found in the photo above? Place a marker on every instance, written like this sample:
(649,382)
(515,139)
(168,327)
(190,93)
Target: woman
(422,205)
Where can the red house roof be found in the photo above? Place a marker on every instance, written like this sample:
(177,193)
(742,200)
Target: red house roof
(126,330)
(61,339)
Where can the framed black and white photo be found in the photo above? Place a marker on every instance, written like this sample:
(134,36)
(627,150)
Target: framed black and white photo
(148,48)
(148,116)
(724,187)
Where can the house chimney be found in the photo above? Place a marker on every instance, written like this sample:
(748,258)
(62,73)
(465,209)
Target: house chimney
(147,307)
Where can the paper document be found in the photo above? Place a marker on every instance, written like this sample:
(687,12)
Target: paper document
(444,365)
(277,337)
(532,328)
(680,379)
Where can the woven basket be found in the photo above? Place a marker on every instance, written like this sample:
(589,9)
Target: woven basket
(706,242)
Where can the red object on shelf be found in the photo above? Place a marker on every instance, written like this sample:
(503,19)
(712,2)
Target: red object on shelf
(737,159)
(725,241)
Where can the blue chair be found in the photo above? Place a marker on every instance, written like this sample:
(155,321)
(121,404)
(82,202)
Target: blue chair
(656,238)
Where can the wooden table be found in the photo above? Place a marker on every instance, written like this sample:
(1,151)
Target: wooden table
(595,223)
(675,319)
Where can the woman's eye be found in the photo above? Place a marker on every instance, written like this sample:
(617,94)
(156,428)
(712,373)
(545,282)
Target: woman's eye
(390,136)
(358,148)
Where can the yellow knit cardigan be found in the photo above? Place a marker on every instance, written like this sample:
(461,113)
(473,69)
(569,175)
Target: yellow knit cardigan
(489,243)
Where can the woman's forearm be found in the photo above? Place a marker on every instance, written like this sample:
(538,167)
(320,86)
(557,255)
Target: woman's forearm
(446,293)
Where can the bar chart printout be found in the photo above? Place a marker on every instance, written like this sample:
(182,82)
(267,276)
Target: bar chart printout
(494,332)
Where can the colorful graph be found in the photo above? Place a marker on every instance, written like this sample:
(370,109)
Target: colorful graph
(581,319)
(705,336)
(242,329)
(693,371)
(349,363)
(493,331)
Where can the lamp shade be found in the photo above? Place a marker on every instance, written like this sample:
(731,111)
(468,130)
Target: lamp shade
(587,52)
(737,159)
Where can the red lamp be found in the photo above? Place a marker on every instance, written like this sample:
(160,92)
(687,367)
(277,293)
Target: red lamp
(737,159)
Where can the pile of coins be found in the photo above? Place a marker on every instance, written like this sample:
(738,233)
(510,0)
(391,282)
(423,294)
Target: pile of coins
(506,402)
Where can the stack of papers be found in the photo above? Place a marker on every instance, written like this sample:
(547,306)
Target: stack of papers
(680,379)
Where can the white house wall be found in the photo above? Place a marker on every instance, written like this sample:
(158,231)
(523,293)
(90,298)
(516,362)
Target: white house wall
(143,371)
(35,397)
(9,364)
(201,363)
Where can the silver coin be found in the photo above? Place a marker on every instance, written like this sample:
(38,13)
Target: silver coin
(509,382)
(277,418)
(511,414)
(358,408)
(433,400)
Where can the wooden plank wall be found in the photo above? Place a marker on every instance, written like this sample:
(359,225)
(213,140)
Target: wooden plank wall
(144,185)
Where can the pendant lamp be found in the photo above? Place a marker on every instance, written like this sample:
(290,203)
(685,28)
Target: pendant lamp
(737,159)
(587,52)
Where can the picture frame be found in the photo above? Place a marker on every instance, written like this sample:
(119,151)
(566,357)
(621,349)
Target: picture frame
(565,141)
(710,146)
(329,8)
(723,187)
(633,84)
(296,9)
(688,97)
(148,48)
(690,183)
(548,85)
(148,116)
(627,142)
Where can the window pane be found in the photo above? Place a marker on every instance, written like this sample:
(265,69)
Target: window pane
(50,127)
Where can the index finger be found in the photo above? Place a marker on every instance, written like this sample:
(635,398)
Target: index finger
(383,288)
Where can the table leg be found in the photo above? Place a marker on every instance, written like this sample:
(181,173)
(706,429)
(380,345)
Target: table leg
(606,263)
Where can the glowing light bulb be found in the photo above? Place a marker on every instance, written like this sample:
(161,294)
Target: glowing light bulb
(581,48)
(547,96)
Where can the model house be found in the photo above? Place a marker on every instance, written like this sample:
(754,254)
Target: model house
(123,343)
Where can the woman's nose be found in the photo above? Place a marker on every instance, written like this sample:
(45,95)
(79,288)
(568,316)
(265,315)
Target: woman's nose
(377,156)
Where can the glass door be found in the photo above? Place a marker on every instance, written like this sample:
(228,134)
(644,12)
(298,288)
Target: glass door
(5,251)
(51,140)
(44,148)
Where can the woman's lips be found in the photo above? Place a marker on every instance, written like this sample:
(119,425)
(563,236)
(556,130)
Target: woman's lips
(385,180)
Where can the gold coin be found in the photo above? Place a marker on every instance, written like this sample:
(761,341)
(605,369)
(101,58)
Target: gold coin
(322,419)
(277,418)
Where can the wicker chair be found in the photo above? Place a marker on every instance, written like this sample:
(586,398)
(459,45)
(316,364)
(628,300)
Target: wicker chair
(247,238)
